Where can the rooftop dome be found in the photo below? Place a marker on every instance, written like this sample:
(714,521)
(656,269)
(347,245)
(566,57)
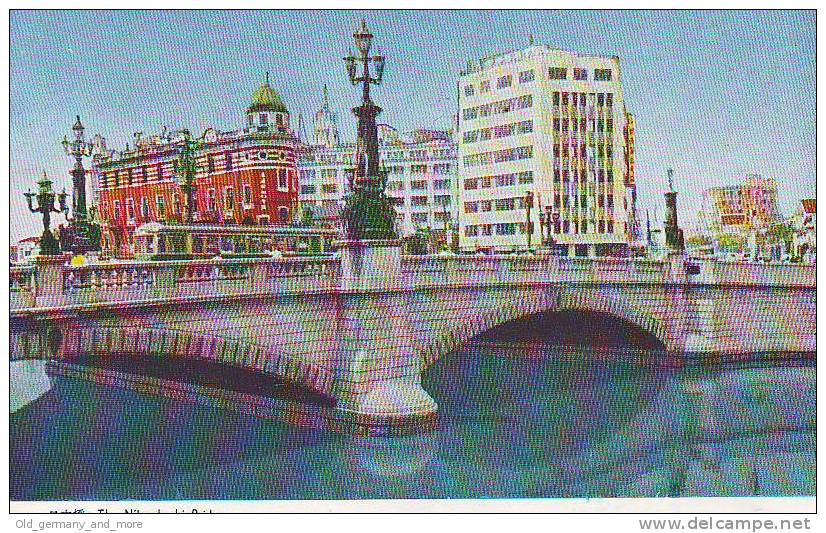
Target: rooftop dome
(266,99)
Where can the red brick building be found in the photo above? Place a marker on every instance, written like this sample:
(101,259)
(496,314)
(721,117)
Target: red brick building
(247,176)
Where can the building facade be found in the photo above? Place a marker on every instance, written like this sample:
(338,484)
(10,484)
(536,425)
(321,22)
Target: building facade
(421,175)
(549,125)
(804,223)
(247,176)
(741,208)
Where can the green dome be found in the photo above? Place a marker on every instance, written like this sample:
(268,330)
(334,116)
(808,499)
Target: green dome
(266,99)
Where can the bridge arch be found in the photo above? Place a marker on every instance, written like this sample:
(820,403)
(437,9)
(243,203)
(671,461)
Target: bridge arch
(456,333)
(66,343)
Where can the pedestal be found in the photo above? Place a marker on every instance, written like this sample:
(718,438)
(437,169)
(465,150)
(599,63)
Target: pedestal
(370,265)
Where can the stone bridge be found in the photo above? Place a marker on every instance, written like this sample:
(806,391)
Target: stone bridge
(363,326)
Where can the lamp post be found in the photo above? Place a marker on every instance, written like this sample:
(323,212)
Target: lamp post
(78,148)
(187,168)
(46,206)
(78,237)
(528,224)
(368,213)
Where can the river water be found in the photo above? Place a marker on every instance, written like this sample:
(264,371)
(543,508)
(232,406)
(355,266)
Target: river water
(516,421)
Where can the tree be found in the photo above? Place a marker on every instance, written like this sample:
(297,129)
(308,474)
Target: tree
(698,240)
(369,214)
(307,216)
(781,233)
(731,242)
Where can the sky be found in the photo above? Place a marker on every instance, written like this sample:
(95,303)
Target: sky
(716,95)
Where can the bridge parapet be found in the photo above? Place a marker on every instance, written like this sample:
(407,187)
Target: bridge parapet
(56,284)
(423,271)
(151,280)
(750,274)
(21,287)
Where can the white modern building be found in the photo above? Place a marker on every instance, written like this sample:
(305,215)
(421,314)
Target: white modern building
(421,174)
(549,125)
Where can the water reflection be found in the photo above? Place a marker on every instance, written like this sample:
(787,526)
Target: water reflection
(393,456)
(515,421)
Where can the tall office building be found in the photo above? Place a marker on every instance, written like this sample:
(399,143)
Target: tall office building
(546,125)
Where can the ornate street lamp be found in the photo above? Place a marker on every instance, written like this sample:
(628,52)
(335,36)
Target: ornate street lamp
(46,206)
(368,213)
(78,148)
(79,236)
(187,168)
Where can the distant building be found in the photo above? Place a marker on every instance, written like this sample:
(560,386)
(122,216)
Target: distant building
(804,222)
(421,174)
(247,176)
(28,249)
(741,208)
(552,123)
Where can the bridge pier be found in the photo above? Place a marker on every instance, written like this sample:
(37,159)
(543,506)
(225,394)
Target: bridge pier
(389,406)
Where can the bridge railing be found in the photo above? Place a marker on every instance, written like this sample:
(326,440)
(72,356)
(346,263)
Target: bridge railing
(21,286)
(420,271)
(762,274)
(149,280)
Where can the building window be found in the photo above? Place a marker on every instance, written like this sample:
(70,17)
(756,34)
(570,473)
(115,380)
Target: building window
(471,231)
(176,203)
(145,207)
(526,177)
(486,205)
(503,82)
(283,214)
(262,155)
(228,162)
(229,199)
(418,185)
(210,164)
(442,200)
(211,203)
(484,87)
(557,73)
(419,218)
(160,204)
(471,207)
(505,204)
(580,74)
(282,178)
(418,200)
(308,189)
(468,90)
(441,185)
(262,119)
(526,76)
(329,188)
(441,168)
(602,74)
(418,169)
(116,211)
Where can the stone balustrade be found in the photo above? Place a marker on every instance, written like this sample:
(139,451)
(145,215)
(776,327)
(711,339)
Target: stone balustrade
(162,280)
(165,280)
